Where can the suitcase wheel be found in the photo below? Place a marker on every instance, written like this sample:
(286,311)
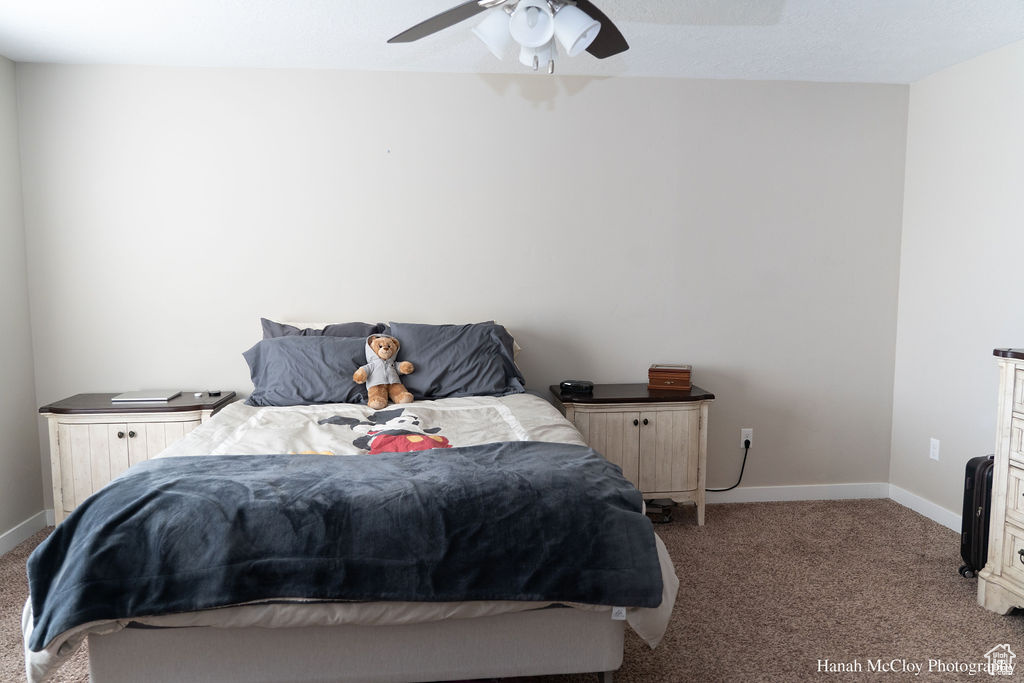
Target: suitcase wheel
(966,572)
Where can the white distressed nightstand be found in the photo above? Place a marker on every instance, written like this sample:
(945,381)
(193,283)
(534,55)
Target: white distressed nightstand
(92,439)
(658,438)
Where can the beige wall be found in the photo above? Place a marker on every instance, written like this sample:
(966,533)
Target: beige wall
(21,490)
(749,228)
(963,233)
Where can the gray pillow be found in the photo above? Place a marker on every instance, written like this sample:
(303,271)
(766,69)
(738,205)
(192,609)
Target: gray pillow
(458,360)
(298,370)
(272,330)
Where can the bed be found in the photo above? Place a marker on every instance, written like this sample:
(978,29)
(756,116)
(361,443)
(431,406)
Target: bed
(476,466)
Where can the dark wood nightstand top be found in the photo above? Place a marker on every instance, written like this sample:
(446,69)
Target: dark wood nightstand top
(632,393)
(85,404)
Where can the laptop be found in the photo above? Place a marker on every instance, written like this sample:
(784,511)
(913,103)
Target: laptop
(147,395)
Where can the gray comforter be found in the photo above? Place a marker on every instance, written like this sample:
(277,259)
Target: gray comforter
(502,521)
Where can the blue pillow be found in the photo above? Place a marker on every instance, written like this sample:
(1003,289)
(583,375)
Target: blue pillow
(299,370)
(458,360)
(272,329)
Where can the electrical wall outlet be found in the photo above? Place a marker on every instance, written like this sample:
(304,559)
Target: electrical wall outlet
(746,434)
(933,449)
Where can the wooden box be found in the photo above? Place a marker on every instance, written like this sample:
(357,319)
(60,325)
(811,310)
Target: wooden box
(669,376)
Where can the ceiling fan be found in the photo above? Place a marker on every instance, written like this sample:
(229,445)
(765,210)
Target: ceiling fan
(534,25)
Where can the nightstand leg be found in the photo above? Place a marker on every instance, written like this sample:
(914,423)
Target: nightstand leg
(702,462)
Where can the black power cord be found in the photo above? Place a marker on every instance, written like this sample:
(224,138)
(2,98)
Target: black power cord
(746,449)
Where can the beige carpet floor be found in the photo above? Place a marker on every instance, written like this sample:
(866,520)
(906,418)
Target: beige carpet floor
(768,590)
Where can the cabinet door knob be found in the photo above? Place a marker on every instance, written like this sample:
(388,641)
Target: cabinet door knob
(645,421)
(131,435)
(120,435)
(636,422)
(1020,556)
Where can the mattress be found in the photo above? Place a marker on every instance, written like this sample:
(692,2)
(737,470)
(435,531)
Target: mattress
(345,429)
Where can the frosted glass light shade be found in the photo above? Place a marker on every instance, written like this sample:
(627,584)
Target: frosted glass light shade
(544,54)
(575,29)
(532,23)
(493,32)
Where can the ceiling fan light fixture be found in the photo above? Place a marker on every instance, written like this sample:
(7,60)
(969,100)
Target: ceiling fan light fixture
(493,32)
(532,23)
(575,29)
(536,25)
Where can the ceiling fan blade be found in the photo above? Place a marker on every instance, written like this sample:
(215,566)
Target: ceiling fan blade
(610,40)
(440,21)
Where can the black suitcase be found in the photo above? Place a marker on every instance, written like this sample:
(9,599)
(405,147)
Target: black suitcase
(977,513)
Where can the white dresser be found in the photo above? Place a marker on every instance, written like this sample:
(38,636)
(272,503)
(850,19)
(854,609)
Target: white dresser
(1001,582)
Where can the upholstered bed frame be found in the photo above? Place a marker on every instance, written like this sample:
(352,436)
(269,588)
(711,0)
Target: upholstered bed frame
(546,641)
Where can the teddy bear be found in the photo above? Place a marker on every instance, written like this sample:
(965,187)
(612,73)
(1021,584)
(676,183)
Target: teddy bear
(381,372)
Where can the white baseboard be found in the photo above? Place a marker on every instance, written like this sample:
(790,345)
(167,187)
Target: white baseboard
(767,494)
(12,537)
(926,507)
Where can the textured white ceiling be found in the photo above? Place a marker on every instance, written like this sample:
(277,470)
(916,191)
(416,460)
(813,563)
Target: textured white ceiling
(883,41)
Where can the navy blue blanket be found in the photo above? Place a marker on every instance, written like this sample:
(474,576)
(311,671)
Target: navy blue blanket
(503,521)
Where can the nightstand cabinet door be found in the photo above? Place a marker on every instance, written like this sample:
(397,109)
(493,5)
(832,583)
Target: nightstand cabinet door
(152,437)
(669,442)
(616,437)
(91,454)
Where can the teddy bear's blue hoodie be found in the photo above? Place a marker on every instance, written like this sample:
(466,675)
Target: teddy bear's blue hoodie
(378,370)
